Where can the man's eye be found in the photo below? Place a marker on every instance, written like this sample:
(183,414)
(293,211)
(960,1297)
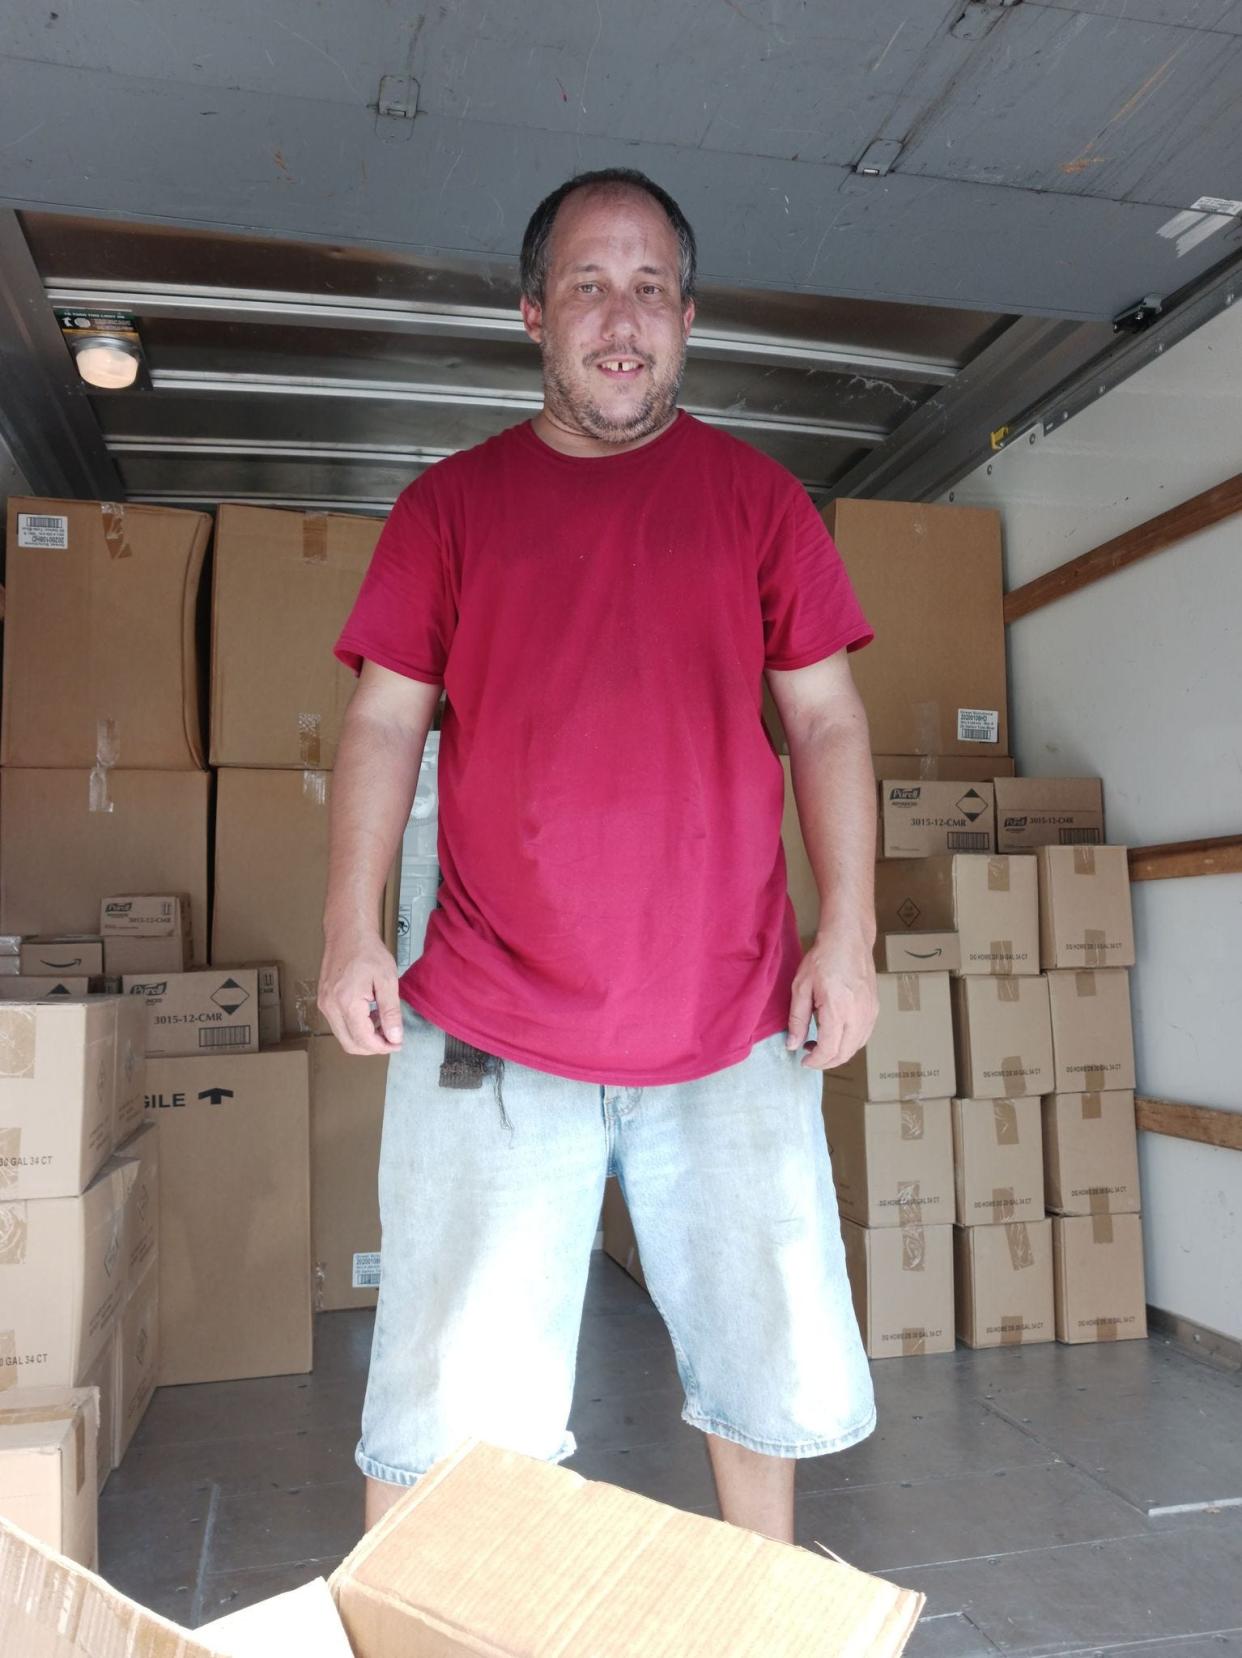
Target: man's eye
(588,287)
(650,288)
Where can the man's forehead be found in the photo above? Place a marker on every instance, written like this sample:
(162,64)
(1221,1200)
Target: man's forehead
(615,221)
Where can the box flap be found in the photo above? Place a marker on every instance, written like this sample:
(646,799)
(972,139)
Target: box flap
(495,1553)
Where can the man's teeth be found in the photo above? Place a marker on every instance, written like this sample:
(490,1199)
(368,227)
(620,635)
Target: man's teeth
(617,364)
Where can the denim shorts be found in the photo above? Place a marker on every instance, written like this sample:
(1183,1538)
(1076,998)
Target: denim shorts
(490,1202)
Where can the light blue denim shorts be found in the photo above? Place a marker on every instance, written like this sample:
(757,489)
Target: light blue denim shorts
(490,1202)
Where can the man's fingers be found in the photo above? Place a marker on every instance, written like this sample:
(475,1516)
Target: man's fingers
(361,1028)
(388,1005)
(799,1014)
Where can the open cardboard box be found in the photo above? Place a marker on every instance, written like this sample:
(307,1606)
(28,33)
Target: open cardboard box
(495,1554)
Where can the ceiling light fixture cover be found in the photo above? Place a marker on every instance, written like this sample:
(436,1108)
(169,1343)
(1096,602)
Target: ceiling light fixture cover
(107,362)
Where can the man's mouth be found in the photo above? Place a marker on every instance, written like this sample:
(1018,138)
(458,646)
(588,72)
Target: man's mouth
(621,368)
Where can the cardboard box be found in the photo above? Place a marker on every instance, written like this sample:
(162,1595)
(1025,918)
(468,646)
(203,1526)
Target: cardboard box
(1098,1266)
(346,1115)
(271,876)
(991,903)
(268,975)
(19,988)
(620,1243)
(235,1248)
(901,1279)
(78,1615)
(212,1011)
(918,953)
(892,1160)
(137,1355)
(48,1438)
(57,1087)
(929,581)
(1004,1283)
(599,1562)
(961,768)
(100,638)
(1091,1153)
(102,1375)
(145,915)
(1085,917)
(59,859)
(599,1565)
(1092,1036)
(146,956)
(1003,1037)
(56,958)
(920,819)
(1048,811)
(130,1049)
(998,1161)
(910,1052)
(139,1164)
(63,1266)
(283,585)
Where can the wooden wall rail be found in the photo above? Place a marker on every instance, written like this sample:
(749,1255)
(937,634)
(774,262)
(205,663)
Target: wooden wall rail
(1140,542)
(1205,1123)
(1222,856)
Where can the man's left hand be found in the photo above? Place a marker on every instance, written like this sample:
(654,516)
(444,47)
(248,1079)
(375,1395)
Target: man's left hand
(836,982)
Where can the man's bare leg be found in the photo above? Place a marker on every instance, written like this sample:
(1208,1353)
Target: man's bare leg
(753,1490)
(381,1495)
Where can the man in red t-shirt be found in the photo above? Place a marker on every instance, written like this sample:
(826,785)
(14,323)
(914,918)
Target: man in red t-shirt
(612,981)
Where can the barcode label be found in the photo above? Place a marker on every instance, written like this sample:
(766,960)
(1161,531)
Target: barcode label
(1081,837)
(978,725)
(36,529)
(969,840)
(227,1036)
(367,1270)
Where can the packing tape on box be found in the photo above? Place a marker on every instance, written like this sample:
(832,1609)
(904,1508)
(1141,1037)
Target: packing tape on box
(998,874)
(1003,1206)
(305,1005)
(1084,984)
(309,747)
(1106,1329)
(107,755)
(1093,1078)
(1000,954)
(913,1120)
(909,1203)
(113,515)
(17,1047)
(1013,1070)
(1005,1122)
(8,1360)
(1011,1329)
(909,997)
(1008,988)
(1018,1237)
(315,786)
(1084,860)
(1094,947)
(315,538)
(10,1156)
(913,1341)
(1101,1226)
(319,1279)
(1092,1106)
(927,733)
(913,1248)
(13,1232)
(33,1415)
(909,1079)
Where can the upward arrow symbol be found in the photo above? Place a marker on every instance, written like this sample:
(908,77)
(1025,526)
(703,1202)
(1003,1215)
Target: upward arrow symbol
(216,1095)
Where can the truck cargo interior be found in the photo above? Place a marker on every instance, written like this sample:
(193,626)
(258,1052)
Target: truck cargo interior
(967,271)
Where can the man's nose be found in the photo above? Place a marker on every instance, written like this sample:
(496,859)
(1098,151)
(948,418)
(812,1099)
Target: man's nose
(620,318)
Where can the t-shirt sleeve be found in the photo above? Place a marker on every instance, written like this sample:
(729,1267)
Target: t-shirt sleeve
(404,616)
(810,610)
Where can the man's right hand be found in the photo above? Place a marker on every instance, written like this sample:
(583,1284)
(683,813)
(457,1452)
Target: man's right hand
(358,970)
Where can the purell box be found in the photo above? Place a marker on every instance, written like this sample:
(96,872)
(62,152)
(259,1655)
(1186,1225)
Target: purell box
(919,818)
(145,915)
(1048,811)
(213,1011)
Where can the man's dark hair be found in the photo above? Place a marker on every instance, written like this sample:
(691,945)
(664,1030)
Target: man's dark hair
(535,243)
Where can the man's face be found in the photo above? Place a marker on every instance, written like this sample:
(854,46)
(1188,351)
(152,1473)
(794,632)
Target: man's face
(612,327)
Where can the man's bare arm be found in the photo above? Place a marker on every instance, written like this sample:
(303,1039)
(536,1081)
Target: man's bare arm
(373,786)
(834,788)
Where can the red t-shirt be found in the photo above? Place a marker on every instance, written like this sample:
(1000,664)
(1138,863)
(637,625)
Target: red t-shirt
(613,905)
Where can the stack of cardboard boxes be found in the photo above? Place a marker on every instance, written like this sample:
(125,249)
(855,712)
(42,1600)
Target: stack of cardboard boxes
(79,1242)
(284,582)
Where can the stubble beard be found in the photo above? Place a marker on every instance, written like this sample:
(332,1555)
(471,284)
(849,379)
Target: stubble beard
(576,409)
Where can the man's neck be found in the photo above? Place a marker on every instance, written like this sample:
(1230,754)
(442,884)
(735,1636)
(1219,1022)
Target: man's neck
(570,440)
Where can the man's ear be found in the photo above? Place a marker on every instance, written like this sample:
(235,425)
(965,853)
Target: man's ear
(687,318)
(532,319)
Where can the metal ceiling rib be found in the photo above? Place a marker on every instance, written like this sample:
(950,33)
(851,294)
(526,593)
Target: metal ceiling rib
(301,374)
